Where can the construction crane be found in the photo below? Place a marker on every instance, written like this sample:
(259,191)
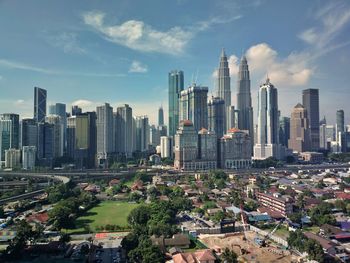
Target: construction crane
(262,241)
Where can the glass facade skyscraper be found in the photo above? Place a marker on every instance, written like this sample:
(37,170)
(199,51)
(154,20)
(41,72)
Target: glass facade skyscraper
(40,96)
(311,104)
(176,85)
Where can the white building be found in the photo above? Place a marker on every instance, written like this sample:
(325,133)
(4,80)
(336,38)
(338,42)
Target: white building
(267,144)
(28,157)
(166,147)
(12,158)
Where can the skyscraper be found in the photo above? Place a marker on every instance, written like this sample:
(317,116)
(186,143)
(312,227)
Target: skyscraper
(76,110)
(5,138)
(40,96)
(14,118)
(244,99)
(45,150)
(28,133)
(142,133)
(267,144)
(284,131)
(59,109)
(160,116)
(340,131)
(124,138)
(340,121)
(224,80)
(311,104)
(176,85)
(104,128)
(193,106)
(299,130)
(216,116)
(58,139)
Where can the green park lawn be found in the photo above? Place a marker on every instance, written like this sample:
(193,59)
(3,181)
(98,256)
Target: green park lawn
(107,212)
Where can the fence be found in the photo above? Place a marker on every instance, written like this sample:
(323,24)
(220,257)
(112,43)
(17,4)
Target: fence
(277,239)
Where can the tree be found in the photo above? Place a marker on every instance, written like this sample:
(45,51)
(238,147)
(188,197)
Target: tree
(229,256)
(145,252)
(218,216)
(296,217)
(139,216)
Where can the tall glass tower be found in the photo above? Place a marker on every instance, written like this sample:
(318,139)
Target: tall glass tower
(176,85)
(223,80)
(244,99)
(311,104)
(39,104)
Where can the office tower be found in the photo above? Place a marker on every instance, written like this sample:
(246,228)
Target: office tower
(284,131)
(216,116)
(124,137)
(154,136)
(267,144)
(162,130)
(5,138)
(12,158)
(186,146)
(40,96)
(323,121)
(311,104)
(340,127)
(76,110)
(160,116)
(232,118)
(28,157)
(207,149)
(45,149)
(299,130)
(244,99)
(59,109)
(14,118)
(104,125)
(166,147)
(224,80)
(193,106)
(176,85)
(81,139)
(28,133)
(142,133)
(235,150)
(58,139)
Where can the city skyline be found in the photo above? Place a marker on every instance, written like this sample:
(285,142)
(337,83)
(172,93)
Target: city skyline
(72,59)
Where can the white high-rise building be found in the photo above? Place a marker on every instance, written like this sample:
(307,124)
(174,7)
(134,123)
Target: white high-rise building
(123,126)
(12,158)
(166,147)
(267,144)
(28,157)
(142,133)
(104,125)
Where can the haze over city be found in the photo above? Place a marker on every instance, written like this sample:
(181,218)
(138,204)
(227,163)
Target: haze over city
(121,51)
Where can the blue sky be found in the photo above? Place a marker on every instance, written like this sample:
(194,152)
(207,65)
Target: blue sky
(91,52)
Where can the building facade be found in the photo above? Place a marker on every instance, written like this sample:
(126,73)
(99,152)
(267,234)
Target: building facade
(244,99)
(58,139)
(40,96)
(299,130)
(235,150)
(284,131)
(207,149)
(216,116)
(176,85)
(124,138)
(142,134)
(193,106)
(166,147)
(267,144)
(28,157)
(105,131)
(311,104)
(28,132)
(12,158)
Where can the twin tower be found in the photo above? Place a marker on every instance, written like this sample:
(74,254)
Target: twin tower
(242,116)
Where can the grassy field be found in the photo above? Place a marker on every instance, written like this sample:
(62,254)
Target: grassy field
(107,212)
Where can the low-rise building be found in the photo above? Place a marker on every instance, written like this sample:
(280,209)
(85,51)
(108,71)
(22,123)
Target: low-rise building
(276,202)
(312,157)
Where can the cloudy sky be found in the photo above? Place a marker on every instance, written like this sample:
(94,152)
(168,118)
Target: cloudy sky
(88,52)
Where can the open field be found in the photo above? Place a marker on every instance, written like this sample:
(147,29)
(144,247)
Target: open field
(105,213)
(255,253)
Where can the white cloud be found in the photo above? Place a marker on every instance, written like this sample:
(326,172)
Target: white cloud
(86,105)
(68,42)
(137,35)
(331,20)
(19,102)
(138,67)
(290,71)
